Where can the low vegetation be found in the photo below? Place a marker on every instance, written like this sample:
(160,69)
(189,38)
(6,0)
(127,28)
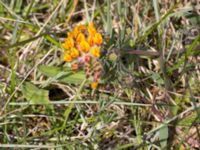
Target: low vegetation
(102,74)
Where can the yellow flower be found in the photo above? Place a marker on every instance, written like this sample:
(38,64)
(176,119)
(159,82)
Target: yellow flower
(74,53)
(94,85)
(75,33)
(80,37)
(70,34)
(98,39)
(91,29)
(91,24)
(90,40)
(67,57)
(77,30)
(65,46)
(84,46)
(69,43)
(81,27)
(96,52)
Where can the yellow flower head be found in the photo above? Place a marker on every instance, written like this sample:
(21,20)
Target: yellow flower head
(98,39)
(80,37)
(84,46)
(94,85)
(96,52)
(81,27)
(77,30)
(91,29)
(67,57)
(90,40)
(75,33)
(74,53)
(69,43)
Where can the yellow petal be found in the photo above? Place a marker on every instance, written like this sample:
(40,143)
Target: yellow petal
(91,29)
(67,58)
(80,37)
(84,46)
(94,85)
(81,27)
(69,43)
(90,40)
(98,39)
(74,53)
(96,52)
(75,32)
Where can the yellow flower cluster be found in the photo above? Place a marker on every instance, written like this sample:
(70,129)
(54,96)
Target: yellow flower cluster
(94,85)
(83,44)
(82,40)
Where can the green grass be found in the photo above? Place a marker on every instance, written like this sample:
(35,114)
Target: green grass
(148,97)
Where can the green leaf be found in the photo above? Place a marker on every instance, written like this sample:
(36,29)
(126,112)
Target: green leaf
(157,78)
(34,94)
(52,40)
(187,54)
(163,136)
(155,26)
(190,119)
(109,19)
(64,75)
(18,6)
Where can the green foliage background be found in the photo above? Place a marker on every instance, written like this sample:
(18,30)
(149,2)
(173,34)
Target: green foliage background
(148,98)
